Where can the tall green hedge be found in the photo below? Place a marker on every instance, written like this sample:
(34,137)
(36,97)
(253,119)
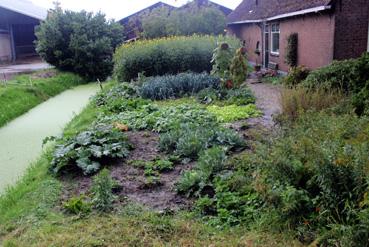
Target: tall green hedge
(170,55)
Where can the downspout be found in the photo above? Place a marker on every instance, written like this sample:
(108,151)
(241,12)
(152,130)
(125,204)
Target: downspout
(14,55)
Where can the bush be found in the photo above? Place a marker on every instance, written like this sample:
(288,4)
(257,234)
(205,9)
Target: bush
(174,86)
(89,149)
(296,75)
(292,50)
(350,76)
(82,43)
(167,56)
(102,188)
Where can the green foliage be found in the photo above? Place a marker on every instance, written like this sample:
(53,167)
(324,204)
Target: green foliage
(89,149)
(167,56)
(239,96)
(190,139)
(349,76)
(77,205)
(238,68)
(174,86)
(27,91)
(193,19)
(296,75)
(292,50)
(154,23)
(231,113)
(161,119)
(211,162)
(118,92)
(222,57)
(102,187)
(82,42)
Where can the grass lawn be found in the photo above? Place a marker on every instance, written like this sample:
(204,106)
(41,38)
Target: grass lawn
(26,91)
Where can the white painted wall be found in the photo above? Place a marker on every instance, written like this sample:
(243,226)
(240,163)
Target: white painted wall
(5,48)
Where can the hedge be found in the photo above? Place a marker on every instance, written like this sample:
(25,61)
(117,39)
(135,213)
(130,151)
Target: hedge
(169,55)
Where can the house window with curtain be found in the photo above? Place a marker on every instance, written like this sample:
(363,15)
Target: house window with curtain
(275,39)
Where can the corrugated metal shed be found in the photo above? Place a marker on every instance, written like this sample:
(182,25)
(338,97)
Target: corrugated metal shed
(24,7)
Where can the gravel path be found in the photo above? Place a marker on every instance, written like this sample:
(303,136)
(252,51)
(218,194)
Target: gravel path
(268,100)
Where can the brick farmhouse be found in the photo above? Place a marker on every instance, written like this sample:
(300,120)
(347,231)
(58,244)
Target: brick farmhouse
(327,30)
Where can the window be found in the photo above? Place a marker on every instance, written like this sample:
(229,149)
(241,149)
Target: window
(275,39)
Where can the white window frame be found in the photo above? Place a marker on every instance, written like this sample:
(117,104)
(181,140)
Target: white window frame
(272,33)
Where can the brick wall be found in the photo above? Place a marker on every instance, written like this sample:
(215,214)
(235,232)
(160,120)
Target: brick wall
(315,40)
(251,35)
(351,30)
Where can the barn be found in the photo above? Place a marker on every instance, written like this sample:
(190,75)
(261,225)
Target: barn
(18,19)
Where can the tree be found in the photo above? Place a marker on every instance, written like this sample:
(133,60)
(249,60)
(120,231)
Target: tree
(79,42)
(154,23)
(192,19)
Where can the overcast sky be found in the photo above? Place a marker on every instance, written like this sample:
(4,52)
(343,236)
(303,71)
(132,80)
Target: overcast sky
(118,9)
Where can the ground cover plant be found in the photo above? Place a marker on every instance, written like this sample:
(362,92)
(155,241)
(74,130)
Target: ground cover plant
(170,55)
(25,92)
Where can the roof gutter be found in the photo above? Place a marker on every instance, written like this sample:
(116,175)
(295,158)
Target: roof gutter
(37,17)
(291,14)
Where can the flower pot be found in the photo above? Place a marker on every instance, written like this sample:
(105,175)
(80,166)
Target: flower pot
(257,68)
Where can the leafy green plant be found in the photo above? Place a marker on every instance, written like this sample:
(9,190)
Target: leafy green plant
(82,42)
(238,68)
(221,96)
(77,205)
(167,56)
(211,162)
(174,86)
(88,150)
(102,187)
(231,113)
(190,139)
(222,56)
(162,119)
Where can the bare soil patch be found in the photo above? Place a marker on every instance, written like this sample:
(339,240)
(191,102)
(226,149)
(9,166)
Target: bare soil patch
(132,180)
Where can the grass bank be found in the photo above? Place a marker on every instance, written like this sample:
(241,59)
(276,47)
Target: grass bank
(27,91)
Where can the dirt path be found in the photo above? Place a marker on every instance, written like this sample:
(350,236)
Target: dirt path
(268,100)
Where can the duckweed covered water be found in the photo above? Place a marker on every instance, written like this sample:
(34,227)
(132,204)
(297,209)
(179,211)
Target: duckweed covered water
(21,140)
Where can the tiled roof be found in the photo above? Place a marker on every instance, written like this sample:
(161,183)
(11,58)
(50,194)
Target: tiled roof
(24,7)
(250,10)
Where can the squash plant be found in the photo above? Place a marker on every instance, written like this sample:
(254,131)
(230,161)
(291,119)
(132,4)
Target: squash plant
(89,149)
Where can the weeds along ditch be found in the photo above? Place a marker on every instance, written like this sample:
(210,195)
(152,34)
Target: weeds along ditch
(26,91)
